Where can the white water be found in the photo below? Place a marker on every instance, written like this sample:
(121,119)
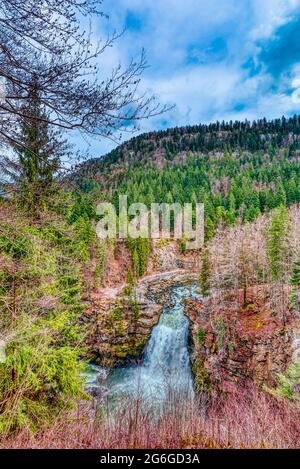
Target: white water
(166,366)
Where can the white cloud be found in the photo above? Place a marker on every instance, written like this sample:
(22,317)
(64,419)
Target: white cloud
(200,90)
(269,15)
(211,90)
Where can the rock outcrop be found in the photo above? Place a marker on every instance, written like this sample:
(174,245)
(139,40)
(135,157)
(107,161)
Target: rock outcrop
(119,328)
(118,331)
(240,343)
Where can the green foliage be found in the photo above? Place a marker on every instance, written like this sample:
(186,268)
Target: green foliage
(255,183)
(39,377)
(220,327)
(256,173)
(288,384)
(87,185)
(201,333)
(295,282)
(182,244)
(209,228)
(81,207)
(230,347)
(276,241)
(84,229)
(162,242)
(69,286)
(259,137)
(140,250)
(205,272)
(38,153)
(130,279)
(201,375)
(117,313)
(251,213)
(295,278)
(41,300)
(129,283)
(81,215)
(15,244)
(135,308)
(101,257)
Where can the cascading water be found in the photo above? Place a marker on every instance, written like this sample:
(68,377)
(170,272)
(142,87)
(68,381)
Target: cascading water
(166,366)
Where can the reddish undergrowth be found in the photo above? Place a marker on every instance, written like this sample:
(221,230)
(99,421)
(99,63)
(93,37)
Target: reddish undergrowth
(246,418)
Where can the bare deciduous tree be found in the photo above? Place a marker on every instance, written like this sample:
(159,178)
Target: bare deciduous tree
(42,46)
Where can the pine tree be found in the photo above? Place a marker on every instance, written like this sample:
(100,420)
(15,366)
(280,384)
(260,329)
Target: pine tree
(130,282)
(295,278)
(38,156)
(82,206)
(278,253)
(136,262)
(288,384)
(251,213)
(280,196)
(276,241)
(140,249)
(130,278)
(295,282)
(205,272)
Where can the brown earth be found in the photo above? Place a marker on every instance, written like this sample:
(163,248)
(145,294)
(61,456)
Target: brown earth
(240,341)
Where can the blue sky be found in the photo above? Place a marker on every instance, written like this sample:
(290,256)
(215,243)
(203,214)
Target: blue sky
(216,59)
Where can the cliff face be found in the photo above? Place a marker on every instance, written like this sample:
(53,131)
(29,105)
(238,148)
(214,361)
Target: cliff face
(119,322)
(119,329)
(238,343)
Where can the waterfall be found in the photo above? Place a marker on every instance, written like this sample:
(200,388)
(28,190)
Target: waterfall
(167,356)
(166,365)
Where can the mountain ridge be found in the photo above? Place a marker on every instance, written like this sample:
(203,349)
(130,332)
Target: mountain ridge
(162,146)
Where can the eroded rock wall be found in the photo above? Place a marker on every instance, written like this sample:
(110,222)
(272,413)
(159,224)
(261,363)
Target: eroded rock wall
(119,328)
(240,343)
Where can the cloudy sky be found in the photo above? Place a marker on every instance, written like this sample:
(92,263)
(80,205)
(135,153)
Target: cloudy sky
(216,59)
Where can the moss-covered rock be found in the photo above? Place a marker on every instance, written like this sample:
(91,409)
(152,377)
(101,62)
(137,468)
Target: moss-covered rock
(201,375)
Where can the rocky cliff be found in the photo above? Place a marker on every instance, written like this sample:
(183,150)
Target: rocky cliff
(119,328)
(240,343)
(119,317)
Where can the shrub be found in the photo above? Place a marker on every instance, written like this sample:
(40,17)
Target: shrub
(40,376)
(201,335)
(288,384)
(41,289)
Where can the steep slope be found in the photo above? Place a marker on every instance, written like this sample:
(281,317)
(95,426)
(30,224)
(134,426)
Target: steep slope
(171,145)
(246,328)
(238,170)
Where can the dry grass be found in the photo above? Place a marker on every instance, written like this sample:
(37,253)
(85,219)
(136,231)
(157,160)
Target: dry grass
(245,419)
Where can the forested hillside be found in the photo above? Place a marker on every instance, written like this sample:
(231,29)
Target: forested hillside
(238,170)
(238,135)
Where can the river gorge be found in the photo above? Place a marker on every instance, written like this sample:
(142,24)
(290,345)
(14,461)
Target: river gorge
(164,369)
(181,343)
